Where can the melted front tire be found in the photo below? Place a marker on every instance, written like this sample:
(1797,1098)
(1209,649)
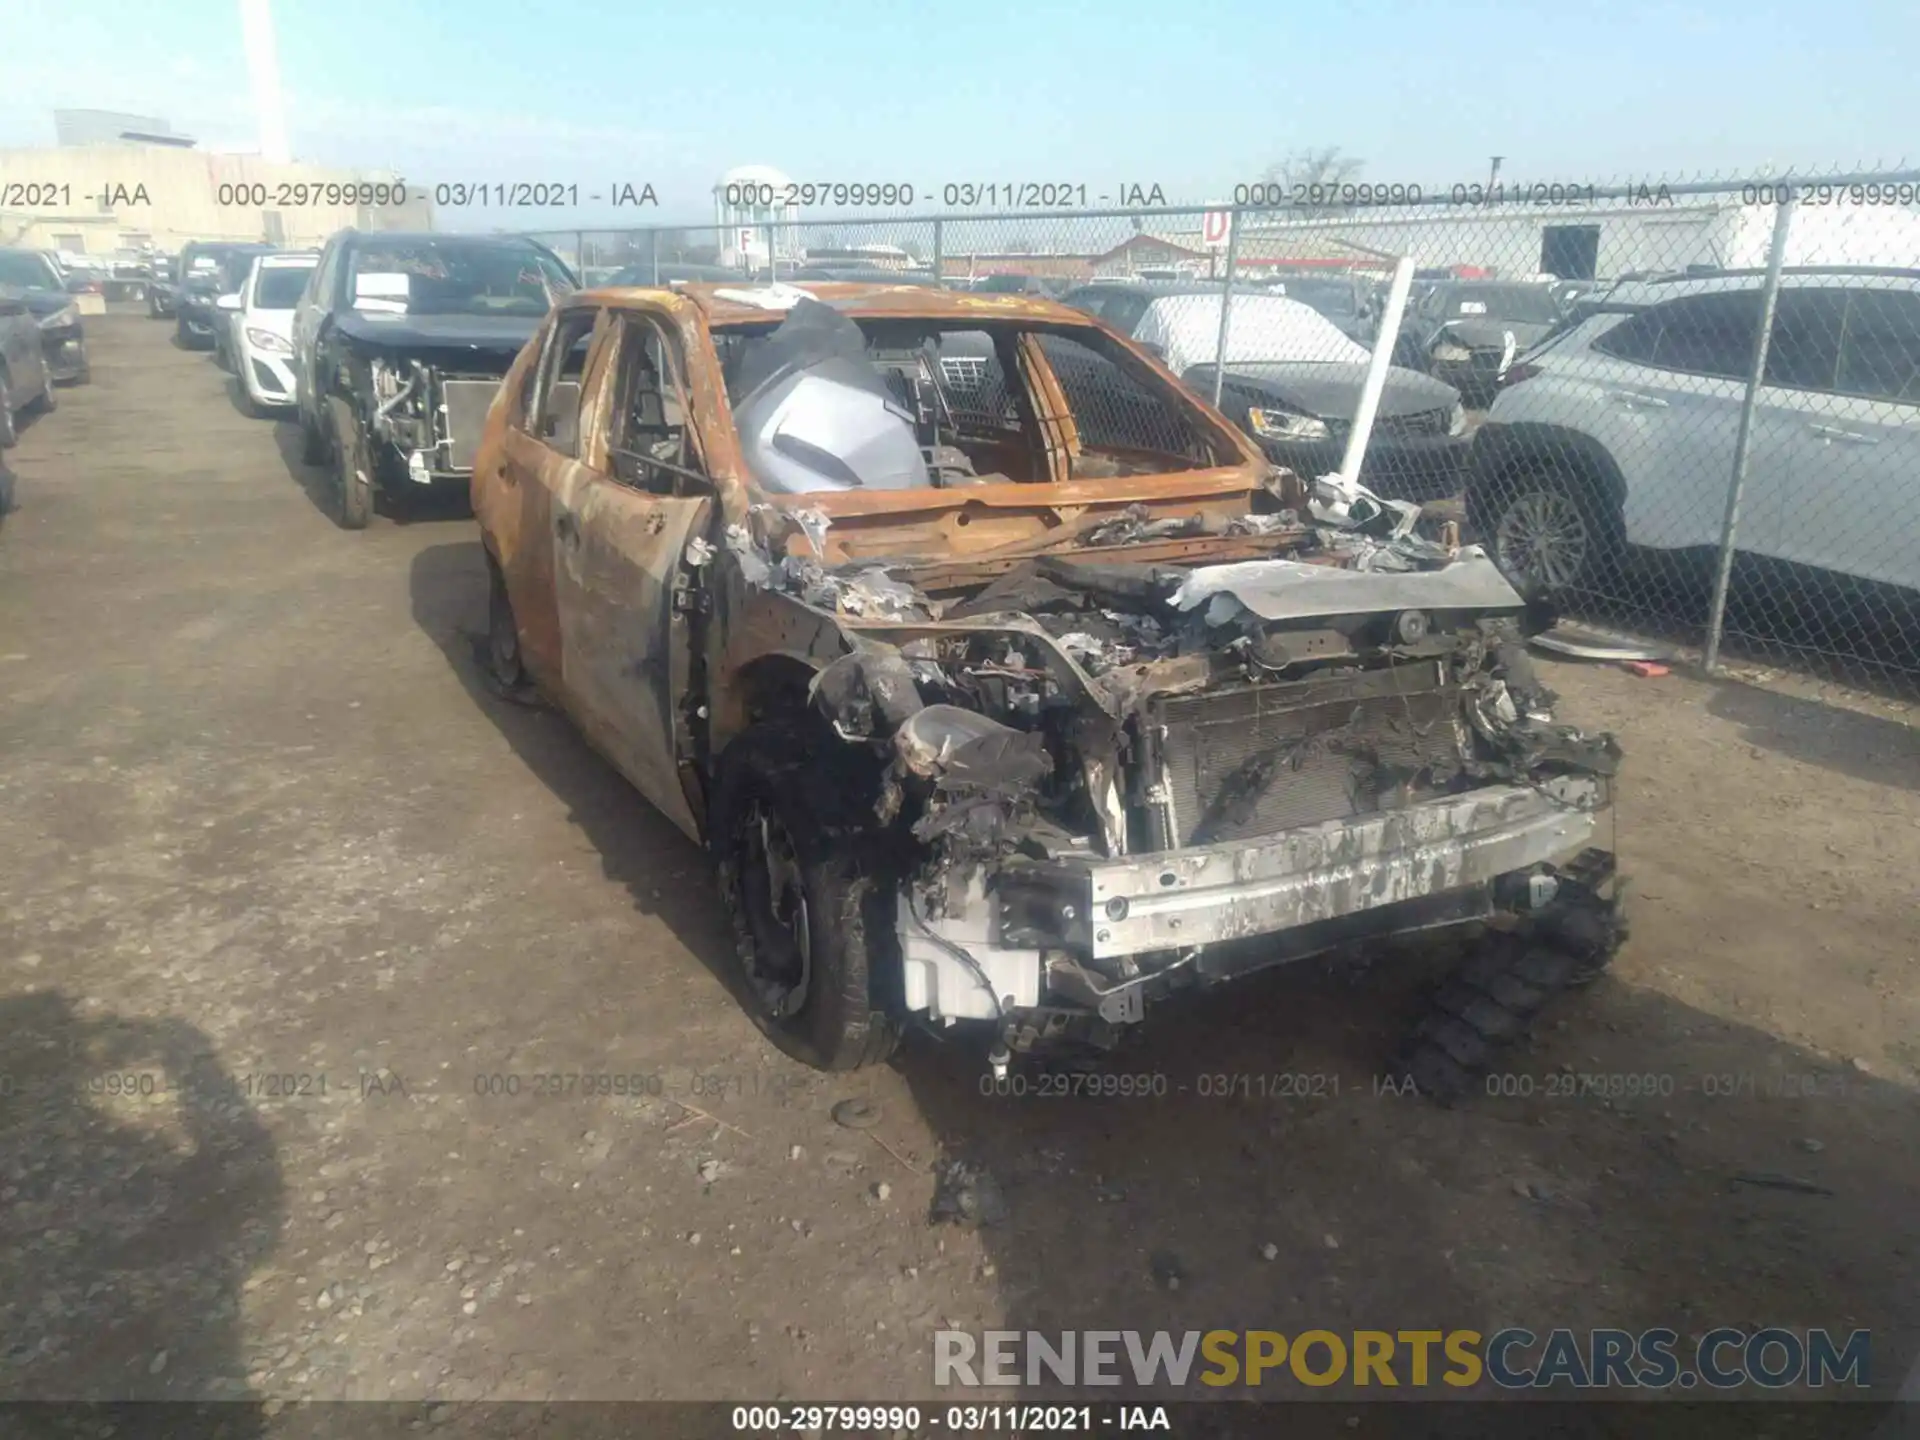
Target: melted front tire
(504,667)
(812,919)
(1493,999)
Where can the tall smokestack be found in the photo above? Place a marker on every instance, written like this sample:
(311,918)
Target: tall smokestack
(263,72)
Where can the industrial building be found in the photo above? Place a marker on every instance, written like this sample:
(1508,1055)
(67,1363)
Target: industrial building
(122,187)
(126,198)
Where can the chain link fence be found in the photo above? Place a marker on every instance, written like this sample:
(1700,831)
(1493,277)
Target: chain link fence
(1686,409)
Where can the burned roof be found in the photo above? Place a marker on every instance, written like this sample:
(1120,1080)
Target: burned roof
(915,301)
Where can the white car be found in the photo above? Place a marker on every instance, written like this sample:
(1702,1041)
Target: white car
(260,327)
(1621,431)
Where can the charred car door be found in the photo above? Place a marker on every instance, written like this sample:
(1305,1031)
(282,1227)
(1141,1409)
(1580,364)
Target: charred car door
(538,452)
(621,526)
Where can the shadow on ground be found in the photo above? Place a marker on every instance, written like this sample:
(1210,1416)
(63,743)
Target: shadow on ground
(1545,1204)
(140,1190)
(444,502)
(634,841)
(1848,742)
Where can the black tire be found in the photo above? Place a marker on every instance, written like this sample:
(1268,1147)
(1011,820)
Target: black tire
(46,402)
(353,468)
(313,440)
(503,636)
(1551,532)
(9,427)
(184,335)
(811,912)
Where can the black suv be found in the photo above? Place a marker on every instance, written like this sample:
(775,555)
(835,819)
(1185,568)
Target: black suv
(206,270)
(399,343)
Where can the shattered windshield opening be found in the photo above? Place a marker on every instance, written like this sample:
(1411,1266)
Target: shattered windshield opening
(826,402)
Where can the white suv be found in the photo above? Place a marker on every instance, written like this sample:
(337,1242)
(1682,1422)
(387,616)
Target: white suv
(1621,429)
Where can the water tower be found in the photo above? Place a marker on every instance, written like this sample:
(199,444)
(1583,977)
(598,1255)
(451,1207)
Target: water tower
(746,200)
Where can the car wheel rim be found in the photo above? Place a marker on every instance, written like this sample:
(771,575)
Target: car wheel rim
(1543,537)
(781,966)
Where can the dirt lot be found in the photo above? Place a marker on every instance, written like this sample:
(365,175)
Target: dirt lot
(260,819)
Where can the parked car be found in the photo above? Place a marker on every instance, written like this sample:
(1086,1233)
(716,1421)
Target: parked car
(399,343)
(166,275)
(1621,430)
(208,270)
(1466,332)
(1050,286)
(644,274)
(1293,383)
(130,277)
(87,278)
(1342,299)
(863,275)
(26,386)
(1569,293)
(63,341)
(984,719)
(260,327)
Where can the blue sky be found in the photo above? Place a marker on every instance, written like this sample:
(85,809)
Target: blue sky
(1193,96)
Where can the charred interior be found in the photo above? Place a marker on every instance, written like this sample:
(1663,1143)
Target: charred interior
(823,403)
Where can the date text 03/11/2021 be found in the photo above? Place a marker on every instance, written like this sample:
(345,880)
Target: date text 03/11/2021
(774,197)
(453,194)
(981,1419)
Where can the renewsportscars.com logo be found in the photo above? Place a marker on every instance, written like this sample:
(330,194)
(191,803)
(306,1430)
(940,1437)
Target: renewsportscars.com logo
(1511,1359)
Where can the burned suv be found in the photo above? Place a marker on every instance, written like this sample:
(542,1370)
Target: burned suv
(987,720)
(399,343)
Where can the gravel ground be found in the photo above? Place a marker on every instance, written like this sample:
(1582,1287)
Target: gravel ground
(294,915)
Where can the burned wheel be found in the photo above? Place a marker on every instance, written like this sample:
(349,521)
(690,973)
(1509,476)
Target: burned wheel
(810,915)
(1494,998)
(503,635)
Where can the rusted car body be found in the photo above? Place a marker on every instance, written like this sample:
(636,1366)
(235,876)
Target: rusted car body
(1050,716)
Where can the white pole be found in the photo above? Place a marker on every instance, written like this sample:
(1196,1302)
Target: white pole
(1377,370)
(263,72)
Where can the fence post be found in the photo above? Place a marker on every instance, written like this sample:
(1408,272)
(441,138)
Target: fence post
(1729,528)
(653,248)
(773,267)
(580,253)
(1377,367)
(939,253)
(1226,305)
